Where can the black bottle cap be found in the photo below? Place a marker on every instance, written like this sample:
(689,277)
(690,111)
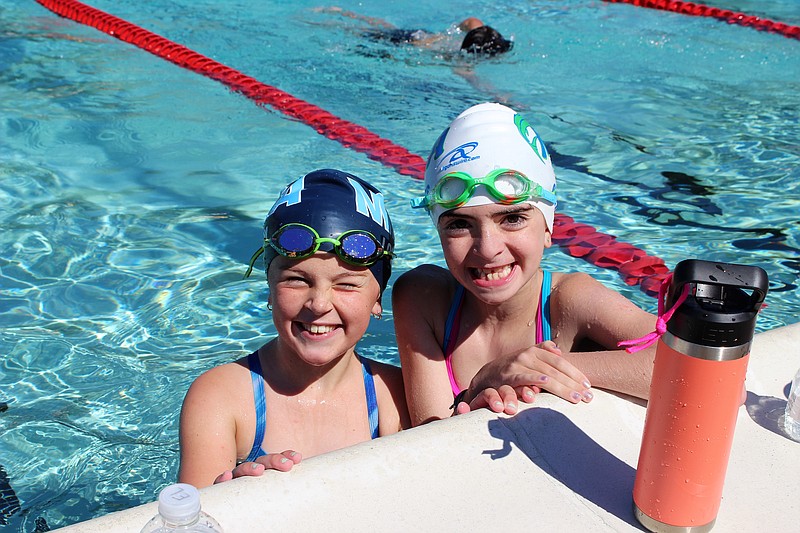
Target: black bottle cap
(722,303)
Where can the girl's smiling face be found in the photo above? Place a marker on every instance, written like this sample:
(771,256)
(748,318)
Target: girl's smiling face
(493,250)
(321,305)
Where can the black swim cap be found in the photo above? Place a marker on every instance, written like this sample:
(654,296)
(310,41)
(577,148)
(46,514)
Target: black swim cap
(333,202)
(485,40)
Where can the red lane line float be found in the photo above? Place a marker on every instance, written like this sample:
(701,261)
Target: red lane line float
(327,124)
(726,15)
(578,240)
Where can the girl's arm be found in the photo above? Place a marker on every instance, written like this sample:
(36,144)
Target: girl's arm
(590,319)
(419,296)
(392,407)
(208,430)
(208,427)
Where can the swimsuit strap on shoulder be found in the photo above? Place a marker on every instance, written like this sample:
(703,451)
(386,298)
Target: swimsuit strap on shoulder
(543,313)
(451,335)
(372,398)
(259,395)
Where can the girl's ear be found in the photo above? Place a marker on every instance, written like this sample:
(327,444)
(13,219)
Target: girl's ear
(377,309)
(548,238)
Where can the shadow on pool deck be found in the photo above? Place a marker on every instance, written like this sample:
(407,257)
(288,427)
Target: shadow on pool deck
(570,456)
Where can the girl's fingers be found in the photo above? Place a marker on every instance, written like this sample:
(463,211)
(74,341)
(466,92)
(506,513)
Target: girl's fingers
(248,469)
(282,462)
(527,393)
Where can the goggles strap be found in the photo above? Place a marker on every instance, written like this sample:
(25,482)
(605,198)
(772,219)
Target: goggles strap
(253,258)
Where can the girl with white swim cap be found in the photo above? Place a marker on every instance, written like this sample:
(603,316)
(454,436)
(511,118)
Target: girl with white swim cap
(495,327)
(328,246)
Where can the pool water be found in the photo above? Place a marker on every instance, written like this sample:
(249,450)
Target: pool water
(133,191)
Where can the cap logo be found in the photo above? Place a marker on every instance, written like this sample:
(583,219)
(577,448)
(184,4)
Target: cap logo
(371,205)
(438,148)
(290,196)
(531,137)
(458,155)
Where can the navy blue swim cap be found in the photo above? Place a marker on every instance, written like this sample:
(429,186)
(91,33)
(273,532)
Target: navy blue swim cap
(485,40)
(333,202)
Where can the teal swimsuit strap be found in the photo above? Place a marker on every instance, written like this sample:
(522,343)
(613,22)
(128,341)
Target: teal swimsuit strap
(372,398)
(260,397)
(451,335)
(543,332)
(543,327)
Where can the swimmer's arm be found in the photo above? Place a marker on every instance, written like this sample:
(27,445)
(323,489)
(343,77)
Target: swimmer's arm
(392,407)
(592,318)
(416,298)
(372,21)
(207,429)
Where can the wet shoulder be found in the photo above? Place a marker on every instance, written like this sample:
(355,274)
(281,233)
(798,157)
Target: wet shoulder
(430,280)
(391,397)
(220,380)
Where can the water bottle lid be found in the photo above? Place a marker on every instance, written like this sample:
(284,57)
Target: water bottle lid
(179,502)
(722,305)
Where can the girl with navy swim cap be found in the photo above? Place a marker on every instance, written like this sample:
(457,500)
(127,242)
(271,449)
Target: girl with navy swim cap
(497,327)
(327,250)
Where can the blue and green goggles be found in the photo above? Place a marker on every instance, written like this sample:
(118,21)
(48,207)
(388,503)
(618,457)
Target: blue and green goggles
(505,185)
(298,241)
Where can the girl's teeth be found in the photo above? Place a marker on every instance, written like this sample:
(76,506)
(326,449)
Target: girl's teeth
(318,330)
(492,274)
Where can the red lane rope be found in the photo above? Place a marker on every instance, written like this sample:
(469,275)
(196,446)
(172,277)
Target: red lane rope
(578,240)
(726,15)
(348,134)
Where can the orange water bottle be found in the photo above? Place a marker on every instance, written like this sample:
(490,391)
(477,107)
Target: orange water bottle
(695,395)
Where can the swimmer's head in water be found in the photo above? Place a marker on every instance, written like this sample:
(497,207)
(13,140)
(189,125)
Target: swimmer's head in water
(485,40)
(331,211)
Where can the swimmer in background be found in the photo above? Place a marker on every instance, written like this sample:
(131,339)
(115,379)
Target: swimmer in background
(327,250)
(479,39)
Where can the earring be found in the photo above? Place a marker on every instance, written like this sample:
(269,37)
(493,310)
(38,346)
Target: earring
(376,316)
(269,306)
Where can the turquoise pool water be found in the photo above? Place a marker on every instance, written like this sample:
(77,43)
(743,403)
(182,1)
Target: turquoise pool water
(133,192)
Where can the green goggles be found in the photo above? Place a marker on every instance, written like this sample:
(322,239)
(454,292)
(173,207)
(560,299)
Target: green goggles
(505,185)
(298,241)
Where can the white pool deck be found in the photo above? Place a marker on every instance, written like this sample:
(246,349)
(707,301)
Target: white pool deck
(552,467)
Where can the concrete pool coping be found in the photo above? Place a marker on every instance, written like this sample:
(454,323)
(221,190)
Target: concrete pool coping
(552,466)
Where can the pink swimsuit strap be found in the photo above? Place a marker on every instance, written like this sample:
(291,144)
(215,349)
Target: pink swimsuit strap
(454,321)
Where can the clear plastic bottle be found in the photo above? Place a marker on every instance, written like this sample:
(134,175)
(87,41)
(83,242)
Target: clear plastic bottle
(791,420)
(179,511)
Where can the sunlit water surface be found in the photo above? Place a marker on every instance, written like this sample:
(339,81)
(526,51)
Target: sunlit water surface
(133,191)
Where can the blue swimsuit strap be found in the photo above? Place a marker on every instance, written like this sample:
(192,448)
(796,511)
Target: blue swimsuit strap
(372,398)
(454,318)
(544,305)
(260,397)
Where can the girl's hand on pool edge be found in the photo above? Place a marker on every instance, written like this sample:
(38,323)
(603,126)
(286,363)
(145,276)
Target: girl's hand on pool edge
(282,462)
(501,400)
(540,366)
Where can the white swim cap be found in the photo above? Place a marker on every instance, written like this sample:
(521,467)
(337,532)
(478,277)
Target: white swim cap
(488,137)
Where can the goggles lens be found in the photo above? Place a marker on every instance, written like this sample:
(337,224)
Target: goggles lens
(357,247)
(298,241)
(505,185)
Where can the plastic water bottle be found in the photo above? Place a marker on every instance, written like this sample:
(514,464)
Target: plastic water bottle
(179,511)
(791,420)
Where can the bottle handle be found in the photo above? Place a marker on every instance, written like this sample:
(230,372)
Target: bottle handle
(710,278)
